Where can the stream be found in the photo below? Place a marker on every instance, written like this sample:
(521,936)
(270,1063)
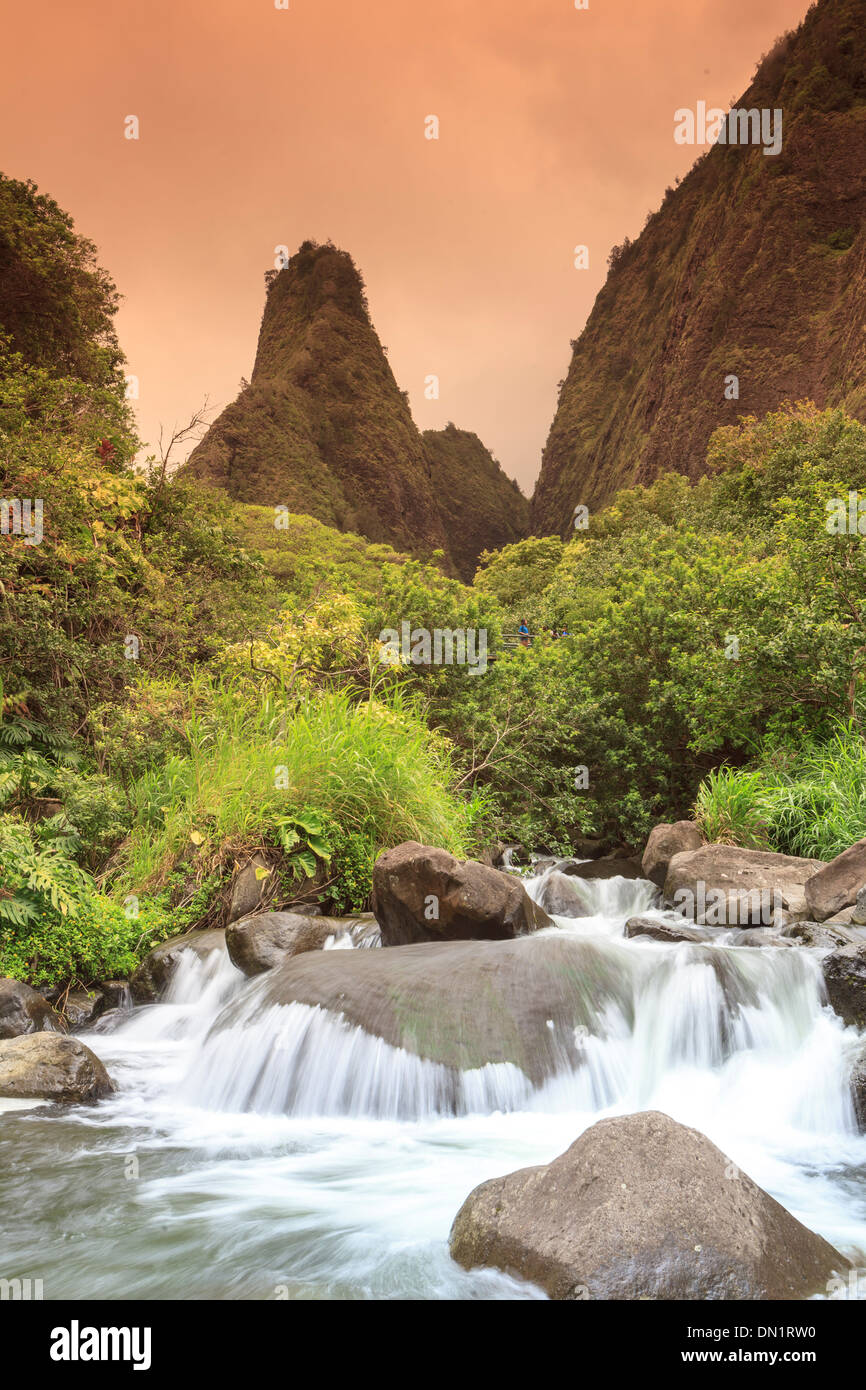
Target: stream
(280,1153)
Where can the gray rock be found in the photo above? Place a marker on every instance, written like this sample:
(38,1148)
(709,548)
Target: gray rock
(257,944)
(465,1003)
(672,929)
(46,1066)
(858,916)
(818,934)
(664,842)
(425,894)
(116,993)
(82,1007)
(641,1207)
(23,1010)
(722,885)
(835,885)
(845,981)
(561,896)
(153,976)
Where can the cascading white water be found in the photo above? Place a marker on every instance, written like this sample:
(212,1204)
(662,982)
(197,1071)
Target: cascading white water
(332,1164)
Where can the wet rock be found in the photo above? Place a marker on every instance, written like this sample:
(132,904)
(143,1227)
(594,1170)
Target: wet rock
(257,944)
(465,1003)
(836,885)
(641,1207)
(845,981)
(425,894)
(858,1092)
(24,1010)
(46,1066)
(82,1007)
(664,842)
(153,976)
(818,934)
(671,929)
(560,895)
(606,867)
(116,993)
(724,886)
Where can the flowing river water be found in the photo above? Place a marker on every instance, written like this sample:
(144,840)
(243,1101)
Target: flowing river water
(279,1153)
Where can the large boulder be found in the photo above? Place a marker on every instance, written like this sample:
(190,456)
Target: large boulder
(153,976)
(249,887)
(666,840)
(46,1066)
(465,1003)
(425,894)
(845,982)
(819,934)
(23,1010)
(257,944)
(641,1207)
(836,885)
(724,886)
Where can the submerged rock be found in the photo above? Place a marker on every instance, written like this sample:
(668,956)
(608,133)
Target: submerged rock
(465,1003)
(425,894)
(45,1066)
(154,974)
(836,885)
(724,886)
(642,1207)
(664,842)
(257,944)
(23,1010)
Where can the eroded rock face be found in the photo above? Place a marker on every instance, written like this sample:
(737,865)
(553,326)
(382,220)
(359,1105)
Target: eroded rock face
(257,944)
(46,1066)
(845,982)
(836,885)
(664,842)
(23,1010)
(642,1207)
(464,1003)
(722,885)
(425,894)
(154,974)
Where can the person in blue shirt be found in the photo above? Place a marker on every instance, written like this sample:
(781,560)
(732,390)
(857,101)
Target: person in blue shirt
(523,633)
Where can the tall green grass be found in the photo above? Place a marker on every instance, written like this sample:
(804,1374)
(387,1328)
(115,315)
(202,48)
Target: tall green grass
(372,770)
(810,801)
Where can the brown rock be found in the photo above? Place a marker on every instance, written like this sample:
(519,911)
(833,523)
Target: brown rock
(835,885)
(425,894)
(561,896)
(249,887)
(45,1066)
(609,866)
(23,1010)
(641,1207)
(722,885)
(256,944)
(664,842)
(670,930)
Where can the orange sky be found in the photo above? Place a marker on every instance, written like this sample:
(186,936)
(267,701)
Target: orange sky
(261,126)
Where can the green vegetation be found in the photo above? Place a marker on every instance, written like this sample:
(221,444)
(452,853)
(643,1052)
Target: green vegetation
(187,681)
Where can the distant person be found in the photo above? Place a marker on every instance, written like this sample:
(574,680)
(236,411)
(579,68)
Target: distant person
(523,634)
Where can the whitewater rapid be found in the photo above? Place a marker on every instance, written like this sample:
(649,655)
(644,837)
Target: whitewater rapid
(278,1152)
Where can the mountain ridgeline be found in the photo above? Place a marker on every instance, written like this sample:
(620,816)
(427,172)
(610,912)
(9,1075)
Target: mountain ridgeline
(323,429)
(754,268)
